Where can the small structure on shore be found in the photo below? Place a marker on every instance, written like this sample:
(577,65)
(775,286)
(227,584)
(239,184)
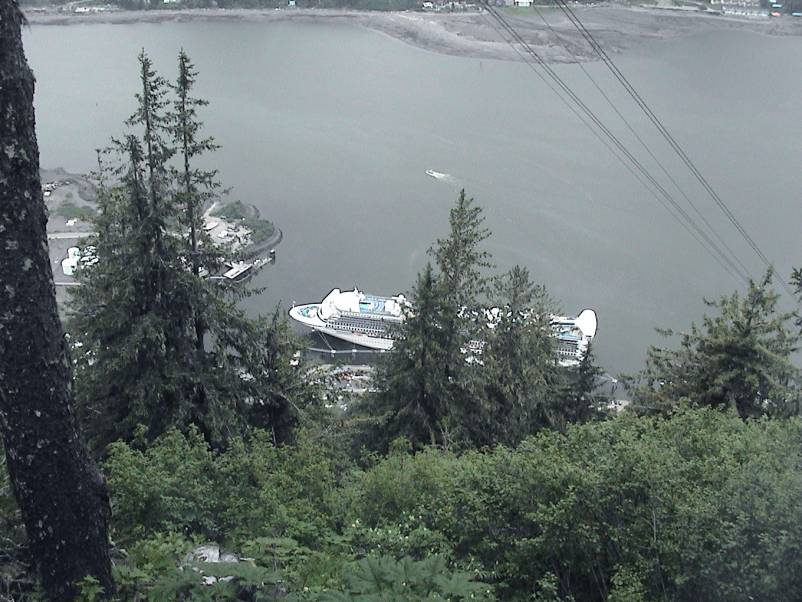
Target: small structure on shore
(238,228)
(76,257)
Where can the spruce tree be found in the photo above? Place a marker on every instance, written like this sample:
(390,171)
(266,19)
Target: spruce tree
(415,393)
(151,119)
(131,309)
(520,370)
(196,186)
(796,282)
(161,344)
(462,263)
(577,399)
(739,358)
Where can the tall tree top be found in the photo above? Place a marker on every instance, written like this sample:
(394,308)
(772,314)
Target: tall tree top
(740,357)
(460,259)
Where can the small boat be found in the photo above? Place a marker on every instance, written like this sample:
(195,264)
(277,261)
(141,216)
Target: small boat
(238,270)
(436,174)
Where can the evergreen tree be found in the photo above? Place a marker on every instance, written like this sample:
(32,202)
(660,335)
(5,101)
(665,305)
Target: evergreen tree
(577,399)
(460,260)
(158,213)
(161,345)
(462,375)
(415,393)
(796,281)
(461,265)
(195,186)
(130,313)
(520,370)
(739,359)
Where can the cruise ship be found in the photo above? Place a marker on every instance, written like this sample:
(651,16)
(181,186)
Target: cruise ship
(370,321)
(354,316)
(573,336)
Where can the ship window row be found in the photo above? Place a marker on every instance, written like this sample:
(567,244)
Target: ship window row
(362,316)
(359,326)
(566,350)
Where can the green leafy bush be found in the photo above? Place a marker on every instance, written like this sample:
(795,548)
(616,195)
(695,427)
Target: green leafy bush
(701,505)
(383,579)
(698,505)
(253,489)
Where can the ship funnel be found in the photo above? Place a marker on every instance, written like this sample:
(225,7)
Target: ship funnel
(586,321)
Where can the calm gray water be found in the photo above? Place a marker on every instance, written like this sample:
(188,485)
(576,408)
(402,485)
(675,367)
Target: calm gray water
(329,129)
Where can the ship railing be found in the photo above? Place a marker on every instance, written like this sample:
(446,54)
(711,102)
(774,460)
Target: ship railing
(369,316)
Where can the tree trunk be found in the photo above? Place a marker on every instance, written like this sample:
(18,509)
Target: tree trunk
(60,493)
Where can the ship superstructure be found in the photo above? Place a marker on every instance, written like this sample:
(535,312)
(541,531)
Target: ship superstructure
(371,321)
(354,316)
(573,336)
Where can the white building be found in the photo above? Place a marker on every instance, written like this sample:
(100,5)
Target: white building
(75,256)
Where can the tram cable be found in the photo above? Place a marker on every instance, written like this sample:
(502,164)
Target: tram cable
(686,220)
(613,151)
(648,149)
(608,61)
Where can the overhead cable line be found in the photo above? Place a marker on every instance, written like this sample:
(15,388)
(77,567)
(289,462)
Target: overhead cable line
(577,23)
(686,220)
(612,150)
(576,112)
(646,147)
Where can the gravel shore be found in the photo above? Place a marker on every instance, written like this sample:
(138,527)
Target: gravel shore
(472,34)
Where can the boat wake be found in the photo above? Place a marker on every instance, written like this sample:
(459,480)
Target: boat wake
(438,175)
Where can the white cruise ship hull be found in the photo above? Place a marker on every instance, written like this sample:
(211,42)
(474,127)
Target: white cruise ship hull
(364,320)
(309,315)
(358,338)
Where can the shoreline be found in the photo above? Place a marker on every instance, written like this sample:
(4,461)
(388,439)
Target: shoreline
(616,27)
(253,249)
(79,190)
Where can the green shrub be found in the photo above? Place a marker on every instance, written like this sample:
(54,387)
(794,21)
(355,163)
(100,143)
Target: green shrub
(253,489)
(384,579)
(699,505)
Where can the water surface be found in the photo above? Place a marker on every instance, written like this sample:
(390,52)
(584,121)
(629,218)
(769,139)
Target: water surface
(329,128)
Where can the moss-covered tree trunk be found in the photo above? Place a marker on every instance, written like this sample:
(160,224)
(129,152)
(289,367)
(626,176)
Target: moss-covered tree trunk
(61,495)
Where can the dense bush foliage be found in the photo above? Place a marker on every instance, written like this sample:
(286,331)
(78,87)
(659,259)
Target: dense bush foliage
(697,506)
(251,490)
